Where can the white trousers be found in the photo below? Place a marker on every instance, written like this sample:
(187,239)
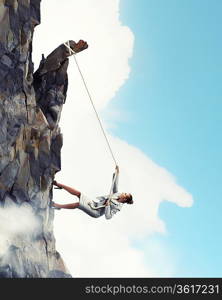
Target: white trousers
(84,205)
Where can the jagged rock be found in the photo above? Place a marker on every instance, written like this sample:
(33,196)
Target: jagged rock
(30,137)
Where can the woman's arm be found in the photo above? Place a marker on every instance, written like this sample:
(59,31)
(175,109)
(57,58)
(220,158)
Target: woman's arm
(115,181)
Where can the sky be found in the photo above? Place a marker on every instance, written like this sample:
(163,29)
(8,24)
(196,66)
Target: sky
(153,68)
(176,72)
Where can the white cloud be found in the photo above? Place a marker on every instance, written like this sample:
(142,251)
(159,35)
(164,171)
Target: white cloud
(97,247)
(10,227)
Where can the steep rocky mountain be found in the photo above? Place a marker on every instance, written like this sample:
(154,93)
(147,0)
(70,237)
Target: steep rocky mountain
(30,143)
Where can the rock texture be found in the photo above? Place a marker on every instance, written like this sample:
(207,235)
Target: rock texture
(30,138)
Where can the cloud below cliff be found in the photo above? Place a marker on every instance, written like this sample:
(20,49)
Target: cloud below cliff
(97,247)
(10,228)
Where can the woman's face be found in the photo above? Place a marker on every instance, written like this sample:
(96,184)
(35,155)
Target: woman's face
(124,196)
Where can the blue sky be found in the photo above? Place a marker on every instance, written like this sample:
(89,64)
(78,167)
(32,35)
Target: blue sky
(173,99)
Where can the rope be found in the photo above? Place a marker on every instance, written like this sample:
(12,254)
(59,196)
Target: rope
(72,52)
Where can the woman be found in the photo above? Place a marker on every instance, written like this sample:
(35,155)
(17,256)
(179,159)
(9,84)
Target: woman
(107,205)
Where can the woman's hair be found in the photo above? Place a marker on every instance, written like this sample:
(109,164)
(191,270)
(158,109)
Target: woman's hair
(129,199)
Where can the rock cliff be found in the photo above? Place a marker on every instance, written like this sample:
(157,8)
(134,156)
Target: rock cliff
(30,140)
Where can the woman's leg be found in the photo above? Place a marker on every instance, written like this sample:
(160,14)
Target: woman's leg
(68,189)
(68,206)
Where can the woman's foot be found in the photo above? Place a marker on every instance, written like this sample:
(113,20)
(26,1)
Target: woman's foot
(54,205)
(56,184)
